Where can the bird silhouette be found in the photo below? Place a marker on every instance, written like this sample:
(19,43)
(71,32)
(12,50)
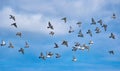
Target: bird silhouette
(93,22)
(105,27)
(26,45)
(50,25)
(10,45)
(111,52)
(19,34)
(3,43)
(14,24)
(74,59)
(65,43)
(100,22)
(64,19)
(56,45)
(12,17)
(112,36)
(57,55)
(114,16)
(97,30)
(21,50)
(80,34)
(89,32)
(71,30)
(79,24)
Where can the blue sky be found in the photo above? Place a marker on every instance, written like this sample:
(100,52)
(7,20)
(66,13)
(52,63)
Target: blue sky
(32,17)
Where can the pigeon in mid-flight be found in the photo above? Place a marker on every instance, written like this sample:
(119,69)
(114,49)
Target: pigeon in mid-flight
(71,30)
(114,16)
(93,22)
(74,59)
(50,25)
(56,45)
(51,33)
(21,50)
(49,54)
(14,24)
(64,19)
(42,56)
(100,22)
(26,45)
(65,43)
(19,34)
(111,52)
(12,17)
(112,36)
(10,45)
(89,32)
(57,55)
(3,43)
(105,27)
(97,30)
(79,24)
(80,34)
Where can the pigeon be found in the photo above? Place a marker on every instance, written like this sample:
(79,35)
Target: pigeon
(57,55)
(114,16)
(48,55)
(91,42)
(105,27)
(42,56)
(65,43)
(89,32)
(74,59)
(12,17)
(19,34)
(80,34)
(77,44)
(21,50)
(79,24)
(26,45)
(111,52)
(14,24)
(71,30)
(112,36)
(74,48)
(50,25)
(56,45)
(51,33)
(100,21)
(3,43)
(97,30)
(93,22)
(64,19)
(10,45)
(86,47)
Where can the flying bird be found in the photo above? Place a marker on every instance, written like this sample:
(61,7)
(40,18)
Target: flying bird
(97,30)
(79,24)
(86,47)
(89,32)
(56,45)
(3,43)
(51,33)
(26,45)
(19,34)
(74,48)
(100,22)
(71,30)
(80,34)
(50,25)
(49,54)
(112,36)
(64,19)
(91,42)
(114,16)
(14,24)
(93,22)
(105,27)
(12,17)
(111,52)
(10,45)
(57,55)
(42,56)
(65,43)
(21,50)
(74,59)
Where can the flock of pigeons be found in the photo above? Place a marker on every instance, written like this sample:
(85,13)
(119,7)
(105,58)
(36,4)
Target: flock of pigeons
(3,43)
(77,45)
